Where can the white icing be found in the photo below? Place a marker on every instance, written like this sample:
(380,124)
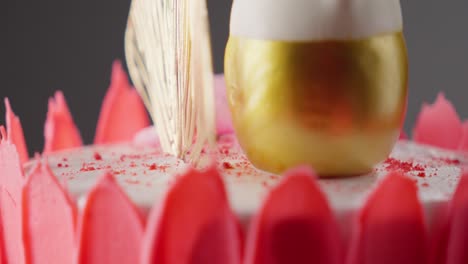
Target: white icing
(246,185)
(307,20)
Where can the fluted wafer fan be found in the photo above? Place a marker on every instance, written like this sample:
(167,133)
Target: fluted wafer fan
(168,52)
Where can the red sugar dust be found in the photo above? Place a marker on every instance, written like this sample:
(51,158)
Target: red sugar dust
(392,164)
(97,156)
(227,166)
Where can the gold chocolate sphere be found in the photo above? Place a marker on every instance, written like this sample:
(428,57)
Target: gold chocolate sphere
(336,105)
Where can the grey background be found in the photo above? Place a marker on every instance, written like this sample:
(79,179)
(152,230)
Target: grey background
(69,45)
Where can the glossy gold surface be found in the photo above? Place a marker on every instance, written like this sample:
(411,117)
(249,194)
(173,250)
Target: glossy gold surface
(334,105)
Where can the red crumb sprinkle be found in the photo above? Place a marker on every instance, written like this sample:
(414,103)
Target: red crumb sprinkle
(64,159)
(97,156)
(425,184)
(60,165)
(153,167)
(404,166)
(450,161)
(265,184)
(86,167)
(227,166)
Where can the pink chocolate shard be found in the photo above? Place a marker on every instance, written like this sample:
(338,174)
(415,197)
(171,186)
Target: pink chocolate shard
(439,125)
(464,141)
(194,224)
(403,135)
(457,249)
(223,114)
(49,218)
(391,226)
(15,132)
(60,130)
(123,113)
(110,228)
(295,225)
(11,182)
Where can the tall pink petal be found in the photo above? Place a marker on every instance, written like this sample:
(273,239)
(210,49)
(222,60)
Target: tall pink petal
(194,224)
(457,247)
(60,130)
(15,132)
(439,125)
(295,225)
(391,226)
(464,141)
(123,113)
(110,228)
(11,182)
(49,218)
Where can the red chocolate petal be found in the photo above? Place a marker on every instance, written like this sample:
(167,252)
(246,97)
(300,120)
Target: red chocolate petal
(457,252)
(15,132)
(60,131)
(123,113)
(49,218)
(403,135)
(11,181)
(464,141)
(391,226)
(110,228)
(194,224)
(295,225)
(223,114)
(439,125)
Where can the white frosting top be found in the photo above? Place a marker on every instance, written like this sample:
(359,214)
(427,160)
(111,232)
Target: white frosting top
(307,20)
(146,173)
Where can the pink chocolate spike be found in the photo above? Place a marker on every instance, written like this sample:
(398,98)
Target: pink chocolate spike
(49,218)
(439,125)
(223,114)
(110,228)
(403,135)
(15,132)
(464,141)
(123,113)
(60,130)
(391,226)
(194,224)
(457,252)
(11,182)
(295,225)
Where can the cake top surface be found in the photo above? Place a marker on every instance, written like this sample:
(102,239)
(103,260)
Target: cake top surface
(146,173)
(305,20)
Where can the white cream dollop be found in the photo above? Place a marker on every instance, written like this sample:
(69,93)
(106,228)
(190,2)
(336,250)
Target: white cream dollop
(310,20)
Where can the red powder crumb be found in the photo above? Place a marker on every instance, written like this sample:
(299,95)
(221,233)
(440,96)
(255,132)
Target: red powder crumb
(238,174)
(65,159)
(97,156)
(265,184)
(133,164)
(60,165)
(425,184)
(450,161)
(66,166)
(227,166)
(404,166)
(87,167)
(153,166)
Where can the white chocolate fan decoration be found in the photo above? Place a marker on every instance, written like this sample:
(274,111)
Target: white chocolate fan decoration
(168,52)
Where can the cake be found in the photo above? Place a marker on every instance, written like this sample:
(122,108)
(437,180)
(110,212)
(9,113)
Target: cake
(123,200)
